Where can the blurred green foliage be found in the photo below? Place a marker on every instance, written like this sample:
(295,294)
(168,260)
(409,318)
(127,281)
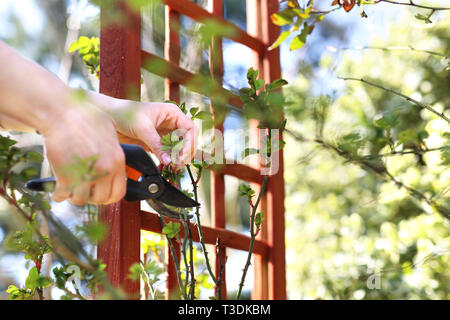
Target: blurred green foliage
(89,50)
(354,232)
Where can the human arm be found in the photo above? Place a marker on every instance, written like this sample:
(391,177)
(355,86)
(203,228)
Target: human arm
(33,99)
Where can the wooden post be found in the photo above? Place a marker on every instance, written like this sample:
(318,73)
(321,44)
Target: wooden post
(172,93)
(275,185)
(120,52)
(254,28)
(217,179)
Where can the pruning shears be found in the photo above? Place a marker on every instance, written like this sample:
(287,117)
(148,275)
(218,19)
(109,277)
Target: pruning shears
(144,182)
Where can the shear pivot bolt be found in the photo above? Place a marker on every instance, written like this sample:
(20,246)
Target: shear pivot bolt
(153,188)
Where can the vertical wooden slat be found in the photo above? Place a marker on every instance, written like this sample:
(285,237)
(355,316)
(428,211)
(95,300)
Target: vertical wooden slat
(254,28)
(275,185)
(120,51)
(172,93)
(217,179)
(172,51)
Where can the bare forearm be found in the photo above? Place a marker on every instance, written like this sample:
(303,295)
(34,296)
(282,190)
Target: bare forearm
(30,96)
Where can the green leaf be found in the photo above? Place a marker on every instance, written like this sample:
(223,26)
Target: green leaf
(252,74)
(204,115)
(320,18)
(135,271)
(249,151)
(246,191)
(34,156)
(211,28)
(259,83)
(297,42)
(300,40)
(166,140)
(283,124)
(259,218)
(445,156)
(31,281)
(351,143)
(283,36)
(44,282)
(94,231)
(171,229)
(422,135)
(193,111)
(406,136)
(283,17)
(276,84)
(6,143)
(387,121)
(19,293)
(423,17)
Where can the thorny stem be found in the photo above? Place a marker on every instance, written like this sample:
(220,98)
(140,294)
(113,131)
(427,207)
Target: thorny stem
(409,99)
(77,291)
(325,11)
(402,152)
(149,282)
(221,268)
(199,227)
(412,4)
(408,48)
(252,237)
(190,271)
(184,254)
(104,282)
(175,260)
(191,266)
(252,219)
(412,265)
(369,166)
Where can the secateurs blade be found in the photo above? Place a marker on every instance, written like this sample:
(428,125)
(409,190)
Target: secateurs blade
(144,182)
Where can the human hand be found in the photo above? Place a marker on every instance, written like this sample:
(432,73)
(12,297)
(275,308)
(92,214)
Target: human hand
(81,132)
(145,123)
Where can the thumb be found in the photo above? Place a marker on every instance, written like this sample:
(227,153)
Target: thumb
(152,139)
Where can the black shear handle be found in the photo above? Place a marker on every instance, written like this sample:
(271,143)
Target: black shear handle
(135,157)
(138,159)
(42,184)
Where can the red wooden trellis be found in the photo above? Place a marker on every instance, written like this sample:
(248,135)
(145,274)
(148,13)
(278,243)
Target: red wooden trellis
(121,60)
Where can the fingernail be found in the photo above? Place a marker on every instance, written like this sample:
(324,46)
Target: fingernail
(166,159)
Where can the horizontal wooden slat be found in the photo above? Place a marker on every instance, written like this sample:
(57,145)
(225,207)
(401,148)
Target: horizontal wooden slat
(240,171)
(166,69)
(197,13)
(230,239)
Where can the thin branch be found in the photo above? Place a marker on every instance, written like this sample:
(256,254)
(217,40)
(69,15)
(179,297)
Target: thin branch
(370,166)
(191,266)
(402,152)
(412,4)
(252,236)
(185,241)
(409,99)
(149,283)
(324,11)
(175,259)
(395,48)
(199,227)
(221,268)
